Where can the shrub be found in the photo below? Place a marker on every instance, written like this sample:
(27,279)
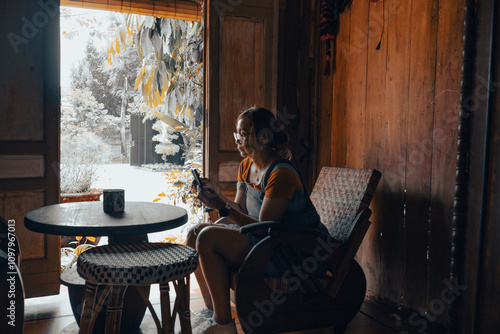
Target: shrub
(81,154)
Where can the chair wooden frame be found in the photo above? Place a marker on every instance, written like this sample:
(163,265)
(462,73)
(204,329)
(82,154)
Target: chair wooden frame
(312,290)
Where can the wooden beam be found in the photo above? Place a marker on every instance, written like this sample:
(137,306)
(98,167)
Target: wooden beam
(178,9)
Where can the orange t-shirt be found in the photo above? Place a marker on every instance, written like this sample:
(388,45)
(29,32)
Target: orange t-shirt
(282,182)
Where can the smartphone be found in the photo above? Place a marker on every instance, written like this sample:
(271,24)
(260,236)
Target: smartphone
(197,178)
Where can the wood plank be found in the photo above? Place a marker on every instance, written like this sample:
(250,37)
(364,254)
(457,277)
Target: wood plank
(420,123)
(22,108)
(324,120)
(51,77)
(397,28)
(444,148)
(297,77)
(362,324)
(467,316)
(241,83)
(38,285)
(37,184)
(21,147)
(313,51)
(228,171)
(490,290)
(393,319)
(40,253)
(21,166)
(375,149)
(211,87)
(16,205)
(275,43)
(339,70)
(356,53)
(50,262)
(2,205)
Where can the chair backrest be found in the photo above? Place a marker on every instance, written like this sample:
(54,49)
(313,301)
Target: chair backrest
(340,194)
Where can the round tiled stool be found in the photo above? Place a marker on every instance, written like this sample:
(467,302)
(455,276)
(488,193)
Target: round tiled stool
(117,266)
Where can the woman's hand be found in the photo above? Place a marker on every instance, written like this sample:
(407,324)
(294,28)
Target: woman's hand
(209,194)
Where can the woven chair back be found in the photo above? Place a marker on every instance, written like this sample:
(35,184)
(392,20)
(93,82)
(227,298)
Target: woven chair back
(340,194)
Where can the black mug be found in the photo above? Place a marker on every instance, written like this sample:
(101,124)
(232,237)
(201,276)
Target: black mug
(113,200)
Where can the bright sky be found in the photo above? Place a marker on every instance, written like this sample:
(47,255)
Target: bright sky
(72,50)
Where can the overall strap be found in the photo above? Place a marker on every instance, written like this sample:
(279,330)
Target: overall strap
(310,210)
(270,170)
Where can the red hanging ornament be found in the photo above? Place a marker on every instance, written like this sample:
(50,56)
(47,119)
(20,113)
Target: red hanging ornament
(329,27)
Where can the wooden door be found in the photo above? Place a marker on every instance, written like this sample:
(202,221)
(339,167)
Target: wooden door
(241,71)
(29,132)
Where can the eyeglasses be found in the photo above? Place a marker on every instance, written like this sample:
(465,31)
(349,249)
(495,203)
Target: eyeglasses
(239,138)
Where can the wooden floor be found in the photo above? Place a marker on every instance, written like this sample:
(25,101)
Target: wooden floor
(53,315)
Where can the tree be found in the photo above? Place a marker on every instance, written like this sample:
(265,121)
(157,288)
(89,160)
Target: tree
(121,72)
(108,83)
(89,74)
(89,22)
(86,114)
(83,125)
(171,76)
(93,72)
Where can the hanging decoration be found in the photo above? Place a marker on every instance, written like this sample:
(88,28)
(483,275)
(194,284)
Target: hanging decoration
(383,23)
(329,27)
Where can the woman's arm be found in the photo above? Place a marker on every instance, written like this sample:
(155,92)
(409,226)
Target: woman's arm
(239,202)
(272,208)
(215,200)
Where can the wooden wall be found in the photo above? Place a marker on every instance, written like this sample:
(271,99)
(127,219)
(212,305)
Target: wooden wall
(394,107)
(29,132)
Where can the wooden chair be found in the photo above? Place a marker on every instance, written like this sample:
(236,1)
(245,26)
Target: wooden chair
(320,284)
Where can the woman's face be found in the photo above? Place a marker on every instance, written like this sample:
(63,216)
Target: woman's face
(244,129)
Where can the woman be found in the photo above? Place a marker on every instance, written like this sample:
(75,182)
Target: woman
(261,141)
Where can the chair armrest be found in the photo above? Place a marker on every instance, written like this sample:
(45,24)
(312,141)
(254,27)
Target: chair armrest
(273,225)
(260,225)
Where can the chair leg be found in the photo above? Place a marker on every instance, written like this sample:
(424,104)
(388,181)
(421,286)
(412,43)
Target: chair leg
(97,308)
(120,309)
(151,309)
(88,306)
(166,318)
(114,310)
(182,291)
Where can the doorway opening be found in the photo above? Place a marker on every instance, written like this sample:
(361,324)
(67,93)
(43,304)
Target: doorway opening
(131,107)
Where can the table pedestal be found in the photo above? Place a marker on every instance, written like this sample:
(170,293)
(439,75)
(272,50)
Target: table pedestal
(134,307)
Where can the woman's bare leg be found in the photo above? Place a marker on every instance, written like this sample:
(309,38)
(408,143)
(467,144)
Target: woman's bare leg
(218,247)
(191,237)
